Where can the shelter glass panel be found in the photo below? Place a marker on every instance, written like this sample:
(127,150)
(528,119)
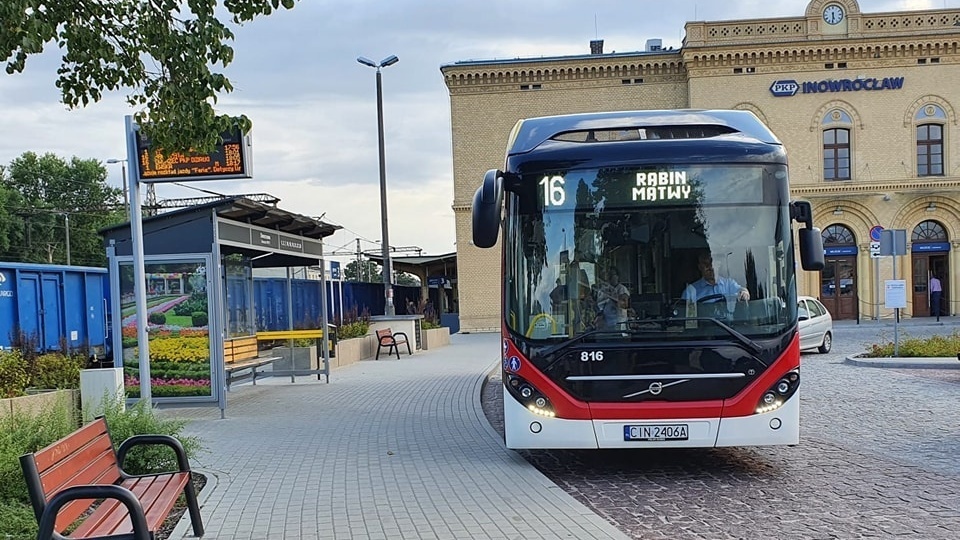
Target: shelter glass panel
(177,318)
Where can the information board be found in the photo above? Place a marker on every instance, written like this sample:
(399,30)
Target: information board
(895,294)
(229,160)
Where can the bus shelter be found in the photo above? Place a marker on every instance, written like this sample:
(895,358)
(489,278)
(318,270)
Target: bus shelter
(199,265)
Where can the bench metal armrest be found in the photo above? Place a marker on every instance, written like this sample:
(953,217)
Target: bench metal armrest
(48,519)
(395,334)
(142,440)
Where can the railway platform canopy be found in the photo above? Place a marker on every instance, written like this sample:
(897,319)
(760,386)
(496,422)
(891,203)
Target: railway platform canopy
(199,265)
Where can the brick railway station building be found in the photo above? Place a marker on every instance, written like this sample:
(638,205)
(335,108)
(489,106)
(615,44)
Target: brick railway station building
(865,103)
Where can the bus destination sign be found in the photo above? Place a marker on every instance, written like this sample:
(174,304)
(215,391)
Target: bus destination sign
(229,160)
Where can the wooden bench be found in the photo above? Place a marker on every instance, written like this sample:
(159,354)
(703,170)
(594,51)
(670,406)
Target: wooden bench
(391,340)
(66,479)
(242,353)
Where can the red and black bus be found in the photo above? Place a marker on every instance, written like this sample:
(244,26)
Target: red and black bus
(649,280)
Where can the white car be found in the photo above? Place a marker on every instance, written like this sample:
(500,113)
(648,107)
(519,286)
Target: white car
(816,325)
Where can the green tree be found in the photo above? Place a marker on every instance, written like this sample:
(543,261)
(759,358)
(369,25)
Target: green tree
(371,272)
(162,51)
(40,194)
(367,271)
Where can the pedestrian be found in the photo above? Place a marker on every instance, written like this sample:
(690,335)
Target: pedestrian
(936,291)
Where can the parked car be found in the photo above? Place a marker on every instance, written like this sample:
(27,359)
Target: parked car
(816,325)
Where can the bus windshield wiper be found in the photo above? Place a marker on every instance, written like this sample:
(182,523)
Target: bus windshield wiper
(564,344)
(744,340)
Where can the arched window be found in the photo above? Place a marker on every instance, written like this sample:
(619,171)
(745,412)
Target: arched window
(836,145)
(928,231)
(930,120)
(838,235)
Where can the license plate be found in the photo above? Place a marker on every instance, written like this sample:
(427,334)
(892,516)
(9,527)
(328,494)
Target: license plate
(657,432)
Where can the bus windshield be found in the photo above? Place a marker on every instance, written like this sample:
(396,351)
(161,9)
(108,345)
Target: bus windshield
(638,252)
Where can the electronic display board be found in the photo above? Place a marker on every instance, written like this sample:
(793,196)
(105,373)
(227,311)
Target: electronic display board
(230,159)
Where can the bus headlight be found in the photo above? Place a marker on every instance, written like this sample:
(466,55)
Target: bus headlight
(529,396)
(779,393)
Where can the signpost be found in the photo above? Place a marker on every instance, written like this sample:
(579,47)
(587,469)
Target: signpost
(231,159)
(893,242)
(875,255)
(895,297)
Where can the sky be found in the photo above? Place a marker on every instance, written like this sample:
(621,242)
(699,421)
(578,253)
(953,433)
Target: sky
(313,106)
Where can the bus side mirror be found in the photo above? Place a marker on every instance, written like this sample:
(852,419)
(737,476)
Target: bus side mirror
(487,202)
(811,249)
(811,243)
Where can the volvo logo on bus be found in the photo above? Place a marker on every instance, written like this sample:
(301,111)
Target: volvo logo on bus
(784,88)
(656,388)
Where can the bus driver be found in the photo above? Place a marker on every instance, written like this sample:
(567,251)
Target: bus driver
(710,285)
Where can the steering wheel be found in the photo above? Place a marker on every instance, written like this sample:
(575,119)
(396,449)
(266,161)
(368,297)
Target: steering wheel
(712,299)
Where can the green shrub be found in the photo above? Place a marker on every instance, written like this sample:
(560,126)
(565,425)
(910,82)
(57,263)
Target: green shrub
(196,302)
(353,330)
(929,347)
(199,318)
(54,370)
(157,317)
(141,419)
(429,325)
(17,521)
(21,434)
(13,374)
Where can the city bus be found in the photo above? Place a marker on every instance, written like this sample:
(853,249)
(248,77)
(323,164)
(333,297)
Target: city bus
(649,280)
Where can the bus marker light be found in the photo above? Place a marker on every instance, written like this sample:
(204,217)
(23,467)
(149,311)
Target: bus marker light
(535,427)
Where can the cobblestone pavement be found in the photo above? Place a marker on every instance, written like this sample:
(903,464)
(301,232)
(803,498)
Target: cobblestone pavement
(878,458)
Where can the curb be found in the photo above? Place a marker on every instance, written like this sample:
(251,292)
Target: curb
(904,362)
(184,528)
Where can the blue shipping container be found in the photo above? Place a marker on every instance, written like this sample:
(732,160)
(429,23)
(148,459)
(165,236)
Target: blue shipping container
(55,304)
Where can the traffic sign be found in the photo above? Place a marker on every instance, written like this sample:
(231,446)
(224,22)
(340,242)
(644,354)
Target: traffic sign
(875,233)
(875,250)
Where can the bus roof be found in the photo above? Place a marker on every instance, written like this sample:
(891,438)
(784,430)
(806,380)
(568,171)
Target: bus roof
(531,132)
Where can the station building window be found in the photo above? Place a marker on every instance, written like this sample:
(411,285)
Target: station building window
(930,120)
(836,128)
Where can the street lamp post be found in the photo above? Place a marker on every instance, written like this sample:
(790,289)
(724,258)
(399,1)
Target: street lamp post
(387,263)
(123,170)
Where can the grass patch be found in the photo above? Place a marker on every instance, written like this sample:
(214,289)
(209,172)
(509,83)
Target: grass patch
(179,320)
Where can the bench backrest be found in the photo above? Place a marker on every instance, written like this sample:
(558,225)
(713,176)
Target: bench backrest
(386,332)
(86,456)
(240,348)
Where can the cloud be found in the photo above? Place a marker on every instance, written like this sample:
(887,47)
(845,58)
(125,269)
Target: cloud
(314,107)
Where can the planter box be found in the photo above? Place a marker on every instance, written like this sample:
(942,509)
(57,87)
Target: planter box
(353,350)
(436,337)
(36,403)
(98,385)
(297,358)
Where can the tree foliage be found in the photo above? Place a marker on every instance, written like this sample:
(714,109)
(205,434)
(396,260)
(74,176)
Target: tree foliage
(39,194)
(367,271)
(371,272)
(163,51)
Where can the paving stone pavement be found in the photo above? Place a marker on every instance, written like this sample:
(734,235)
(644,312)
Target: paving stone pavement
(388,449)
(878,458)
